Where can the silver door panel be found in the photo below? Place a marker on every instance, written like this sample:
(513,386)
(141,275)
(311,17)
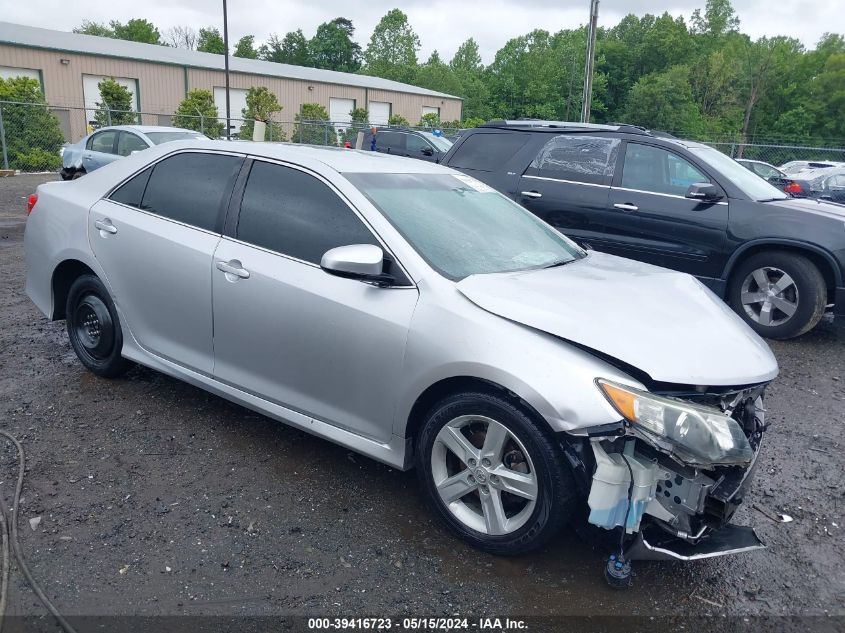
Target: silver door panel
(323,345)
(160,275)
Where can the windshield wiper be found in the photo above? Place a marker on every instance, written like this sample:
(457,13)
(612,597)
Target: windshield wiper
(562,262)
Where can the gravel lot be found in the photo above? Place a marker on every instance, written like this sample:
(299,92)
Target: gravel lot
(158,498)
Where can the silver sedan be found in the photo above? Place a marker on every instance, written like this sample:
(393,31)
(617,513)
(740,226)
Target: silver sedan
(412,314)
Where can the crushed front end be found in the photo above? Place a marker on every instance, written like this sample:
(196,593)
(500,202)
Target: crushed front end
(676,469)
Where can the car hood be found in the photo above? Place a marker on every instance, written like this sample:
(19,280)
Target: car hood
(664,323)
(810,205)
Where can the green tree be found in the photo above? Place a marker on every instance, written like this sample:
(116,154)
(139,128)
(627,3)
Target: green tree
(333,48)
(209,40)
(828,98)
(719,19)
(261,105)
(114,106)
(292,49)
(470,74)
(397,120)
(94,28)
(136,30)
(429,120)
(664,101)
(436,75)
(33,135)
(360,122)
(392,50)
(246,48)
(197,111)
(313,127)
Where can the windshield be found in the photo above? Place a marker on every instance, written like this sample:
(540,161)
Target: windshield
(747,181)
(165,137)
(441,143)
(462,227)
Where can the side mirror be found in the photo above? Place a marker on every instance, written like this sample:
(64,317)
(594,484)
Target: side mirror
(704,191)
(364,262)
(427,151)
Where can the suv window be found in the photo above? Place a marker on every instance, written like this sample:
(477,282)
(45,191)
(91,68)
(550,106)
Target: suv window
(577,157)
(656,170)
(486,151)
(189,188)
(390,140)
(293,213)
(132,191)
(103,142)
(415,144)
(128,143)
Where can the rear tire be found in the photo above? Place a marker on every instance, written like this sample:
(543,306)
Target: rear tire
(510,490)
(779,294)
(94,329)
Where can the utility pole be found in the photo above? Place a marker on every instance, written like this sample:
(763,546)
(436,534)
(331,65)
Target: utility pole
(226,57)
(588,67)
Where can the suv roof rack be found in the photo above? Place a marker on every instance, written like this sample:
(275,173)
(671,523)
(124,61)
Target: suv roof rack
(567,125)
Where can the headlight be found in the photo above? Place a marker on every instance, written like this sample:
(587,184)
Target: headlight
(697,435)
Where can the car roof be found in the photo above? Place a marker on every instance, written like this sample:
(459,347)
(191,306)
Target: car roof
(339,159)
(143,129)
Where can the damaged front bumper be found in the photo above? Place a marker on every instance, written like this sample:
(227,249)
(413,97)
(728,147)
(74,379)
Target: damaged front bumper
(674,510)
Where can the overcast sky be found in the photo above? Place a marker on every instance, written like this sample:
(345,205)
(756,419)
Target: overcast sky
(440,24)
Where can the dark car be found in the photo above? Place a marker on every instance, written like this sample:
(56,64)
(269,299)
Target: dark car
(778,261)
(773,175)
(825,183)
(413,143)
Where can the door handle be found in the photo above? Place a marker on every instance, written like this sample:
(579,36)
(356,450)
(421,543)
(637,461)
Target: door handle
(531,194)
(624,206)
(105,225)
(233,267)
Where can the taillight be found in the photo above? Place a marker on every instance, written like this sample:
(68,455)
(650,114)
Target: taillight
(793,187)
(30,202)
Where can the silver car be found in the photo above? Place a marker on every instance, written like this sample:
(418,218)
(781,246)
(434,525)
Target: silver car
(110,143)
(411,313)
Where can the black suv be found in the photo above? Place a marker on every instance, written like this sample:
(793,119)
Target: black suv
(413,143)
(777,260)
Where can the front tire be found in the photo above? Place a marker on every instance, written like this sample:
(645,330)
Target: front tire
(495,477)
(780,295)
(94,329)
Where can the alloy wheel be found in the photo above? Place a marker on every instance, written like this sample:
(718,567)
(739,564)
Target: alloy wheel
(769,296)
(484,475)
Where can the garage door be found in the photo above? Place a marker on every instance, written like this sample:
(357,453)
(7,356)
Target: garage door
(10,72)
(91,92)
(431,110)
(340,110)
(237,104)
(379,112)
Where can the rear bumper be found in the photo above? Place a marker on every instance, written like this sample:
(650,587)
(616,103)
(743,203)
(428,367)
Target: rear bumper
(653,543)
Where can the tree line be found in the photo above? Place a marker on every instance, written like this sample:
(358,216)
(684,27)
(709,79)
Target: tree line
(700,78)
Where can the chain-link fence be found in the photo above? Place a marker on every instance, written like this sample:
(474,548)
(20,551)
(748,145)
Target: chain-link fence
(32,135)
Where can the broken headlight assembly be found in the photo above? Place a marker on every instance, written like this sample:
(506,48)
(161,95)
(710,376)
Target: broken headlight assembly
(696,435)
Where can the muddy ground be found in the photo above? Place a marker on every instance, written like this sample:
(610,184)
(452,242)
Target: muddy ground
(158,498)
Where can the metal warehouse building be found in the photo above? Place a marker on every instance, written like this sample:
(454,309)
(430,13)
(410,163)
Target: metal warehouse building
(69,66)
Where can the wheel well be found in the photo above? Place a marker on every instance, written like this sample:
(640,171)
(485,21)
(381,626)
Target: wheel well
(818,260)
(63,277)
(455,385)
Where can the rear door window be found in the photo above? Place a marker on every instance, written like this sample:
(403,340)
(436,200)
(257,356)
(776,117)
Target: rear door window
(103,142)
(487,151)
(293,213)
(393,141)
(128,143)
(132,191)
(189,188)
(577,157)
